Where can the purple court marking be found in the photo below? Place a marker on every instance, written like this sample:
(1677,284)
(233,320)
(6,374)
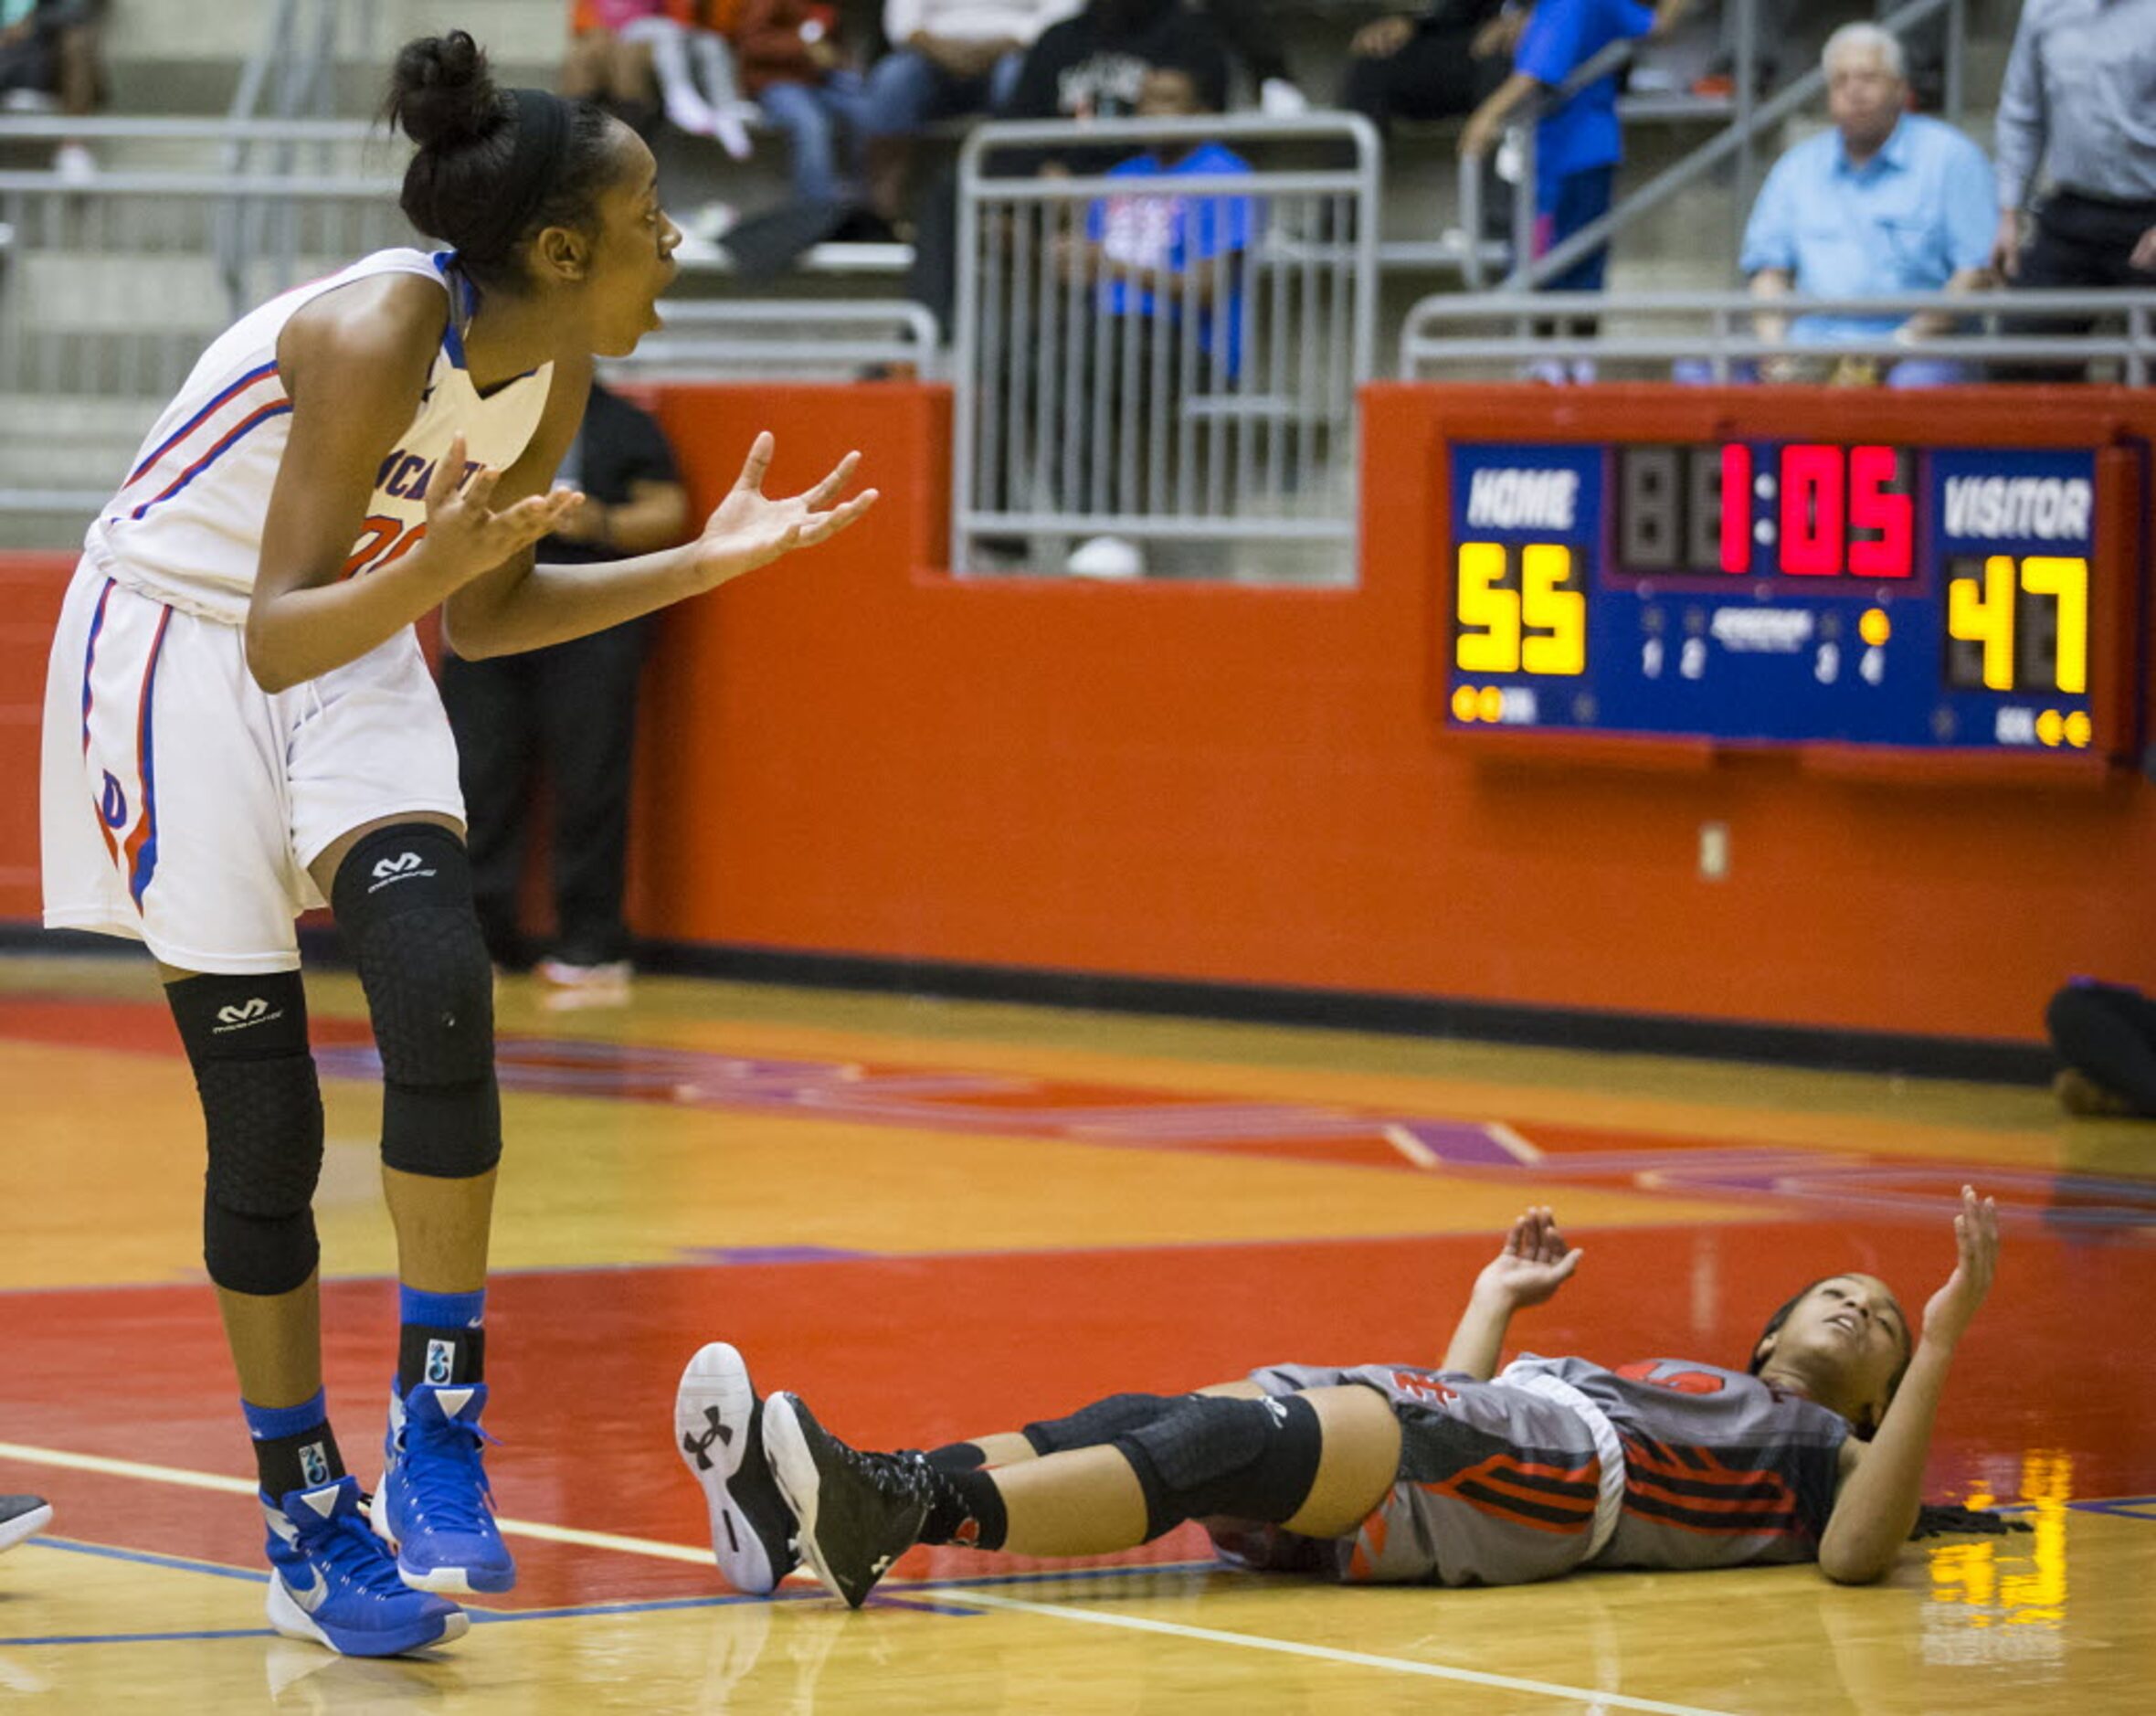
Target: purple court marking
(771,1253)
(1010,1106)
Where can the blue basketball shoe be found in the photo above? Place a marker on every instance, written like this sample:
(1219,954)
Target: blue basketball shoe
(434,1503)
(331,1580)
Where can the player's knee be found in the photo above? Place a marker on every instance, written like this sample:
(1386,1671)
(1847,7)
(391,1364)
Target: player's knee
(1253,1460)
(247,1038)
(403,901)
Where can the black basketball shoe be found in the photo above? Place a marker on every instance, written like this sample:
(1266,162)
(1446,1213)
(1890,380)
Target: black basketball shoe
(717,1427)
(21,1516)
(858,1513)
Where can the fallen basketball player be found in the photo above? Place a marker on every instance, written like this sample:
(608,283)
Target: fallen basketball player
(1384,1474)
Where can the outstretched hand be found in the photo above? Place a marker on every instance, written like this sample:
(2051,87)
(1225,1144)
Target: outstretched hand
(1535,1261)
(465,532)
(1976,1239)
(752,529)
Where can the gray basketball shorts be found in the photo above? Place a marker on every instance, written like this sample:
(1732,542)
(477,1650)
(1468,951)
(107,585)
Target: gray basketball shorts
(1497,1486)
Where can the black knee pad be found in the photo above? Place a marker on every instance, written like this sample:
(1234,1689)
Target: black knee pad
(1252,1459)
(403,901)
(1103,1422)
(247,1038)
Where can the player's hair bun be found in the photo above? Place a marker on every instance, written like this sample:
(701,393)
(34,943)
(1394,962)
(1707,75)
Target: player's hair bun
(440,93)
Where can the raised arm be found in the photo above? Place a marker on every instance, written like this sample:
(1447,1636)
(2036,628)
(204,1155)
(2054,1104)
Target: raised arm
(1882,1484)
(523,605)
(1534,1263)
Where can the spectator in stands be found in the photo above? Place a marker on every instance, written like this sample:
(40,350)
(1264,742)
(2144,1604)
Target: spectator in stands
(569,712)
(603,65)
(1774,25)
(2080,99)
(1252,34)
(1888,201)
(693,58)
(48,50)
(1440,63)
(1091,66)
(947,58)
(1159,260)
(1094,65)
(2106,1035)
(1578,144)
(791,64)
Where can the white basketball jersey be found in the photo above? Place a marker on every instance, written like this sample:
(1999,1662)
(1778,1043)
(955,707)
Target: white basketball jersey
(185,528)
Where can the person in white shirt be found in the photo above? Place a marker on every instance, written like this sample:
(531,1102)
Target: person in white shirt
(947,58)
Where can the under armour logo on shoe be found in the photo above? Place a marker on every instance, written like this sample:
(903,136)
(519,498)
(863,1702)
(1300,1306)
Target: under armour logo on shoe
(401,868)
(254,1010)
(698,1444)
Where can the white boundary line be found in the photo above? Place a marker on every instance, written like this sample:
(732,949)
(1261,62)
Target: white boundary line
(186,1479)
(969,1597)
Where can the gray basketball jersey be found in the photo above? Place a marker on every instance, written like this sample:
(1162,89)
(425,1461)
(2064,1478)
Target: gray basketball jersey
(1497,1484)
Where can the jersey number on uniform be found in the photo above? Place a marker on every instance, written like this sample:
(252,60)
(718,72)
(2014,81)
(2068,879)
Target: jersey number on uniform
(379,544)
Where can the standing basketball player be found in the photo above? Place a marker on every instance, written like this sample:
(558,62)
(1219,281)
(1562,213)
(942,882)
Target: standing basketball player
(1388,1474)
(239,726)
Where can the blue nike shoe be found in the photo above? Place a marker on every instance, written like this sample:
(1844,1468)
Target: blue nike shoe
(331,1580)
(434,1503)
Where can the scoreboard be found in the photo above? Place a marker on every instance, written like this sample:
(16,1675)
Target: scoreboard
(1923,586)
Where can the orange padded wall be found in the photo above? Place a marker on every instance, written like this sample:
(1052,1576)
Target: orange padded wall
(855,754)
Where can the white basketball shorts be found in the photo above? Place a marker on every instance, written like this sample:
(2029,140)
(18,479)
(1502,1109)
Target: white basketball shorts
(182,803)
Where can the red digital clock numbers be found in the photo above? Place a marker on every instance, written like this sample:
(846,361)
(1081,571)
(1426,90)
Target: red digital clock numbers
(1803,509)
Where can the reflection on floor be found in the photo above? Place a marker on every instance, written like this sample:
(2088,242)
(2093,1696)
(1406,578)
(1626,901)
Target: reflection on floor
(941,1219)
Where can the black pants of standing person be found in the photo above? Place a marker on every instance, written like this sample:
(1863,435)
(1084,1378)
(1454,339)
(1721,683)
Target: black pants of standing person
(2079,241)
(568,714)
(1434,75)
(2106,1033)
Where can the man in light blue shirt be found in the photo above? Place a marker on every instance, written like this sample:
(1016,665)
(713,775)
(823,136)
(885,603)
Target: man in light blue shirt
(1888,201)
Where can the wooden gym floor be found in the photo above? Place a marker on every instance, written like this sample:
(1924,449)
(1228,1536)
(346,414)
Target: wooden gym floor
(936,1220)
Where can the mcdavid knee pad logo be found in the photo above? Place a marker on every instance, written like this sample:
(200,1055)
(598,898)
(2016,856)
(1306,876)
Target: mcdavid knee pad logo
(401,868)
(254,1010)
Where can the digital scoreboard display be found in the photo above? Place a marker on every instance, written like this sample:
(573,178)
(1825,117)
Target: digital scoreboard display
(1757,589)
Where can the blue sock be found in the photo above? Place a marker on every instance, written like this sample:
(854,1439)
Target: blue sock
(441,1310)
(441,1340)
(294,1446)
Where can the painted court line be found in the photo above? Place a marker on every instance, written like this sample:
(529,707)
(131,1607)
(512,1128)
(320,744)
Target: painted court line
(1326,1653)
(186,1479)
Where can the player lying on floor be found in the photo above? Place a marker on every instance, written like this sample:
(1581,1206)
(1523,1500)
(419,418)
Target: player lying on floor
(1381,1474)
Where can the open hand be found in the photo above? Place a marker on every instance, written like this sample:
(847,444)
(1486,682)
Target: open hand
(463,530)
(1976,1238)
(752,529)
(1534,1263)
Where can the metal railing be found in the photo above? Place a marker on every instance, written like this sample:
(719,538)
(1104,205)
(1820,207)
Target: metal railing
(781,339)
(1715,336)
(1748,117)
(1167,357)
